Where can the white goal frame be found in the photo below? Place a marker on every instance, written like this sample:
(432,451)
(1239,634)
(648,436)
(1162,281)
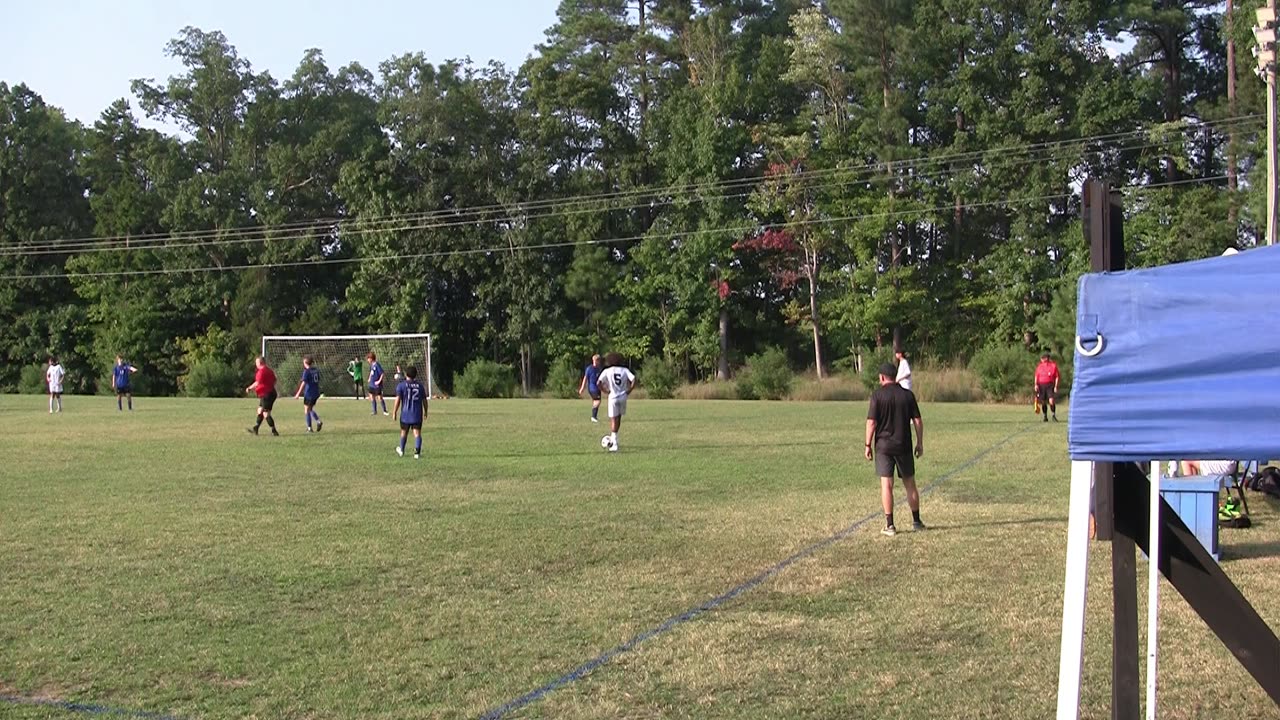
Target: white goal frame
(394,336)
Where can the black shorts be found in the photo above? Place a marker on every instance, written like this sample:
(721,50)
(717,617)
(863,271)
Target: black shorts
(124,390)
(1045,393)
(268,402)
(375,389)
(310,400)
(406,427)
(886,462)
(595,394)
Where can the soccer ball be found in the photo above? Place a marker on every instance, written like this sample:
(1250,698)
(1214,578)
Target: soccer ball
(606,442)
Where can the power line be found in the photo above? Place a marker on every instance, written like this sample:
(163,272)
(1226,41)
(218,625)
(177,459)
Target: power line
(461,216)
(362,227)
(919,212)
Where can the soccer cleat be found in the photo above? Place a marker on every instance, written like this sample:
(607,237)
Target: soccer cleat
(385,413)
(1055,418)
(310,430)
(251,430)
(595,420)
(917,526)
(417,456)
(399,451)
(275,433)
(889,531)
(319,426)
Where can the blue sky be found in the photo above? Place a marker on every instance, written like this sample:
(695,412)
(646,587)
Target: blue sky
(81,55)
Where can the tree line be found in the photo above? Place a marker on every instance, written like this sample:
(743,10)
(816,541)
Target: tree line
(690,180)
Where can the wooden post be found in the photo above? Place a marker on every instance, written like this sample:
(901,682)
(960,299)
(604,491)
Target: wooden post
(1104,229)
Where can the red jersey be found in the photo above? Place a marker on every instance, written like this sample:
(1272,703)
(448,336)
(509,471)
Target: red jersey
(1046,373)
(266,380)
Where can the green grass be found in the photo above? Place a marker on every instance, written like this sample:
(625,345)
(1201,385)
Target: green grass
(166,561)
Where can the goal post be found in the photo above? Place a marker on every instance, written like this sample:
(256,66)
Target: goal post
(332,353)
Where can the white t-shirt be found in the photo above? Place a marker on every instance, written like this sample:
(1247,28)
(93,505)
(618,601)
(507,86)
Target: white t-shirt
(1217,467)
(904,374)
(618,380)
(54,375)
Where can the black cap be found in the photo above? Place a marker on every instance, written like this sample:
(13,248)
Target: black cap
(888,370)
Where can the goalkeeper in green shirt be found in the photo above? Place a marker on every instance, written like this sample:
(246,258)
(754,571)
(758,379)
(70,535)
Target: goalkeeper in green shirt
(355,369)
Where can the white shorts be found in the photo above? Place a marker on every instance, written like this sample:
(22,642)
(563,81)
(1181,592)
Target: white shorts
(55,388)
(617,406)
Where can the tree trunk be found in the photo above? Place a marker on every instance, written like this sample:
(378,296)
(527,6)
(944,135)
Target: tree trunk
(722,369)
(813,319)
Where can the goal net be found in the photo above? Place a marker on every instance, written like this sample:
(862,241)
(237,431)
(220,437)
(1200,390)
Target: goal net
(333,355)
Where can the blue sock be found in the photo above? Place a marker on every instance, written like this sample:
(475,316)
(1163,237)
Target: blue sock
(402,439)
(120,405)
(384,404)
(374,402)
(595,412)
(315,415)
(417,445)
(308,419)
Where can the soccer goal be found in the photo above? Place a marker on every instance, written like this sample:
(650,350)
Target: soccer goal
(333,355)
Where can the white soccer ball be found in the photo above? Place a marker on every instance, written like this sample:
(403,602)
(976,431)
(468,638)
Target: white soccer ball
(606,442)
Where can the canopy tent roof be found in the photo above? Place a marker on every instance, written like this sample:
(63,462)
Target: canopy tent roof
(1188,364)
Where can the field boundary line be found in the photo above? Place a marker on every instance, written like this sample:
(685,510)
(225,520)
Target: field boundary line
(676,620)
(85,708)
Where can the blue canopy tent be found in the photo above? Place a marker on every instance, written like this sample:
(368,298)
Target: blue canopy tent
(1174,362)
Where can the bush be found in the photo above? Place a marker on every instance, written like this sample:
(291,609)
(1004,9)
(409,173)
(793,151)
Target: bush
(1003,370)
(838,388)
(563,379)
(711,390)
(871,363)
(946,383)
(212,379)
(485,379)
(766,376)
(32,380)
(660,377)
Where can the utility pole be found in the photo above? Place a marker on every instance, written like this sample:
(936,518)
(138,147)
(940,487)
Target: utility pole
(1265,34)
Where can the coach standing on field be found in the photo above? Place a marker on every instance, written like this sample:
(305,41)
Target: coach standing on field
(889,419)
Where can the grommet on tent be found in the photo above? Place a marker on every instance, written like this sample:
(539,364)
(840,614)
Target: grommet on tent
(1089,353)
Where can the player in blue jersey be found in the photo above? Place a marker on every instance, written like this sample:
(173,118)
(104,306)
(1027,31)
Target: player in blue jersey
(591,383)
(120,381)
(309,390)
(411,407)
(376,378)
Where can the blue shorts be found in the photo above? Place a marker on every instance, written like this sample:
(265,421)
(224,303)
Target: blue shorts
(308,400)
(594,393)
(375,389)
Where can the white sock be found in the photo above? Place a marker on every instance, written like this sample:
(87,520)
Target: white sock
(614,435)
(50,404)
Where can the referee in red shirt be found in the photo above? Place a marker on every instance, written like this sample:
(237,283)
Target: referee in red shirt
(1047,386)
(264,383)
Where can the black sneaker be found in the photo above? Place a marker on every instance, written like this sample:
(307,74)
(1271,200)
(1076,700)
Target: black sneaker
(1055,418)
(1046,419)
(251,430)
(274,432)
(917,526)
(319,426)
(889,531)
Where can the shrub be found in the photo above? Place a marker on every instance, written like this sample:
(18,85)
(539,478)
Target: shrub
(212,379)
(660,377)
(485,379)
(1003,370)
(766,375)
(946,383)
(711,390)
(871,363)
(563,379)
(838,388)
(31,381)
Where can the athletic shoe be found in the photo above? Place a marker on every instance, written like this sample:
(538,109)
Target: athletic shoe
(613,448)
(319,426)
(595,420)
(1055,418)
(310,430)
(375,412)
(385,413)
(399,451)
(889,531)
(1046,419)
(917,526)
(251,430)
(275,433)
(416,456)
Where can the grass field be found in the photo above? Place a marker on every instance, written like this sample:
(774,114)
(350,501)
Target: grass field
(166,562)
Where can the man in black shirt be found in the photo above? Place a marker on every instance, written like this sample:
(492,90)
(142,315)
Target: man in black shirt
(889,419)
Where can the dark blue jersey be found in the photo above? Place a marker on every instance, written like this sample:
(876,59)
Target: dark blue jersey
(375,374)
(311,382)
(413,398)
(593,379)
(120,375)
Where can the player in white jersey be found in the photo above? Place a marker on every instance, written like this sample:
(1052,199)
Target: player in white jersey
(54,375)
(619,381)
